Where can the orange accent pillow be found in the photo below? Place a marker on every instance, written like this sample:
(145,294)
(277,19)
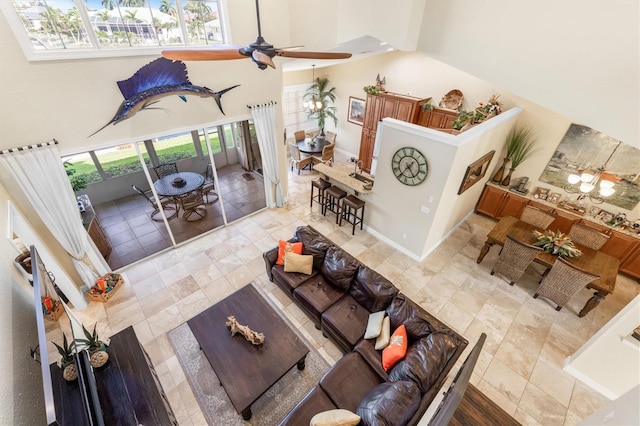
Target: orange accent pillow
(397,348)
(285,246)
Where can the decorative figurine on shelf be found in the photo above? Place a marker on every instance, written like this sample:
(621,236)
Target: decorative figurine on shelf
(253,337)
(380,84)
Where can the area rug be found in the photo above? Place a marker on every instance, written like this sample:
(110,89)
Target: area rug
(268,410)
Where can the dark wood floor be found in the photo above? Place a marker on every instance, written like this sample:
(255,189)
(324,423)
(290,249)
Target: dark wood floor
(133,235)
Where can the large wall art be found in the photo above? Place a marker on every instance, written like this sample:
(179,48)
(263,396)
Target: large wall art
(584,148)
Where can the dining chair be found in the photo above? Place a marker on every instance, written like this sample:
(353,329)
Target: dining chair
(514,259)
(208,188)
(166,169)
(298,160)
(536,217)
(563,281)
(327,154)
(587,236)
(299,135)
(330,136)
(169,205)
(193,206)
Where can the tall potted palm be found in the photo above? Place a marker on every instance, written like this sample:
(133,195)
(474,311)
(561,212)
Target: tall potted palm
(322,98)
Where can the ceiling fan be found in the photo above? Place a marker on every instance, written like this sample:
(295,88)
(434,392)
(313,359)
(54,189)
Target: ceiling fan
(261,52)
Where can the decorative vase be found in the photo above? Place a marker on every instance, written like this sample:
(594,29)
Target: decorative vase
(98,358)
(499,175)
(69,372)
(507,179)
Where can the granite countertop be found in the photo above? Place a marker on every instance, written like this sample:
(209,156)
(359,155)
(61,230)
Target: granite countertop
(340,173)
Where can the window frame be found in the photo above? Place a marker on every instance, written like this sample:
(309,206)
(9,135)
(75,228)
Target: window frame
(96,52)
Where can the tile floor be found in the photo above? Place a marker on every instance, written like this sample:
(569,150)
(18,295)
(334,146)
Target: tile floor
(520,367)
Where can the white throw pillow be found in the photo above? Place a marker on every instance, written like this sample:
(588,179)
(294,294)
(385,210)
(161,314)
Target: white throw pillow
(383,339)
(374,325)
(337,417)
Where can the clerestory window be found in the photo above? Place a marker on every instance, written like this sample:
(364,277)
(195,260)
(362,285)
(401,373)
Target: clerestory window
(66,29)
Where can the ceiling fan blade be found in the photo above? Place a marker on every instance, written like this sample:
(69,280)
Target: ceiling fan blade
(217,53)
(262,58)
(313,55)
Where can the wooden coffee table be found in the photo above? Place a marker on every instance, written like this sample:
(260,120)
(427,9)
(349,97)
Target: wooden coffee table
(244,370)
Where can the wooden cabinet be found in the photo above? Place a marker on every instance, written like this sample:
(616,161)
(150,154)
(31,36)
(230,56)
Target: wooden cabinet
(619,245)
(437,118)
(564,221)
(631,265)
(497,203)
(99,238)
(394,105)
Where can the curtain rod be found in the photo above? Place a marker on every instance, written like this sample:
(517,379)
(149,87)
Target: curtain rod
(259,105)
(23,148)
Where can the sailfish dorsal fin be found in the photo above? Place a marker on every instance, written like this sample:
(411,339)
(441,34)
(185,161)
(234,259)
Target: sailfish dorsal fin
(160,72)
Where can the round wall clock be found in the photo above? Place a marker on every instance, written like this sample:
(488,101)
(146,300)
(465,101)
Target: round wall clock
(409,166)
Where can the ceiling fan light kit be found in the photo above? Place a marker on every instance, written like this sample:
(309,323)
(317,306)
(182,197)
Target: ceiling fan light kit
(261,52)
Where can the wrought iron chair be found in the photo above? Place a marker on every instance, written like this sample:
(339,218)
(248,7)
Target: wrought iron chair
(587,236)
(514,259)
(208,188)
(165,169)
(299,135)
(536,217)
(563,281)
(327,154)
(298,160)
(193,206)
(330,136)
(168,205)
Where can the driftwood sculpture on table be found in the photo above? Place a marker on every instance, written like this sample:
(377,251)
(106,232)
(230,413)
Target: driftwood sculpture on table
(252,336)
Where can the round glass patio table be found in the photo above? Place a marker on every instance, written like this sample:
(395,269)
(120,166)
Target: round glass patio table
(168,188)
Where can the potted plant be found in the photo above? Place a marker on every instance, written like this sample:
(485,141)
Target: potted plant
(325,96)
(97,349)
(520,145)
(66,361)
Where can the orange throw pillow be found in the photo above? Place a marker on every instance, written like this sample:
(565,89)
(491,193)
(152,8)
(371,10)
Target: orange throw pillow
(397,348)
(285,246)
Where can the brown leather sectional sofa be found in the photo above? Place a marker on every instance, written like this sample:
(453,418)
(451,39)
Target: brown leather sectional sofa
(338,296)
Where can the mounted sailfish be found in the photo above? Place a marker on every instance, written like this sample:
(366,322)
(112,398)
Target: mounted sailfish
(156,80)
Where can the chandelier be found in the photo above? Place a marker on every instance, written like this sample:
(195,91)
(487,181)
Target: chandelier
(587,180)
(313,105)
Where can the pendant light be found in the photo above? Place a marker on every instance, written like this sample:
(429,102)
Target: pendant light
(314,104)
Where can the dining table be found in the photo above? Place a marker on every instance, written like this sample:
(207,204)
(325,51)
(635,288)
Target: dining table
(591,260)
(177,184)
(312,145)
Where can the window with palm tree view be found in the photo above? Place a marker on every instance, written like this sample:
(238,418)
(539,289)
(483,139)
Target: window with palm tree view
(54,26)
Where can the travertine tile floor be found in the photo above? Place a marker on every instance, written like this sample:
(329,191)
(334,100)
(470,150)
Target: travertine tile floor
(520,367)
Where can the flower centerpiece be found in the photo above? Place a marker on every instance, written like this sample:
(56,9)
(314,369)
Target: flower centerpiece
(556,243)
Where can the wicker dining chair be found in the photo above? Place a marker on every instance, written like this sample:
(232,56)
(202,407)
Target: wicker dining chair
(298,160)
(563,281)
(299,135)
(330,136)
(166,169)
(327,154)
(536,217)
(587,236)
(514,259)
(169,205)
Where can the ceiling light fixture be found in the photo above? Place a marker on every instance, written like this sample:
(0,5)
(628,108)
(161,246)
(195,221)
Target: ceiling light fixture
(587,180)
(314,104)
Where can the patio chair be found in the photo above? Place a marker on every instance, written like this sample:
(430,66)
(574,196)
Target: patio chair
(587,236)
(165,169)
(193,206)
(536,217)
(208,188)
(514,259)
(298,160)
(563,281)
(168,205)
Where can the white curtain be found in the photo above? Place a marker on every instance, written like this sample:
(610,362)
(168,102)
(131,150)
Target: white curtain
(264,120)
(39,172)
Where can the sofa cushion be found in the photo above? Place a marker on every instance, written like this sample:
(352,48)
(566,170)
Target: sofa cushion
(366,349)
(316,401)
(313,243)
(335,417)
(396,349)
(425,360)
(374,325)
(390,403)
(339,267)
(404,311)
(289,281)
(316,295)
(383,339)
(287,246)
(298,263)
(345,321)
(372,290)
(349,380)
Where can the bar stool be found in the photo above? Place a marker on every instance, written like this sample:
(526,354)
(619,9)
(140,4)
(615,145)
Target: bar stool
(322,186)
(332,197)
(350,207)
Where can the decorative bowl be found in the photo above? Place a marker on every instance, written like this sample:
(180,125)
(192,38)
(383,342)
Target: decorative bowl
(179,182)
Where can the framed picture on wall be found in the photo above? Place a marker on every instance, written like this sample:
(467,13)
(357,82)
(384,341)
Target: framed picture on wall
(475,172)
(356,110)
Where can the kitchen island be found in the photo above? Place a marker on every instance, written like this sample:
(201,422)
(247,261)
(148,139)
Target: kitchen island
(341,173)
